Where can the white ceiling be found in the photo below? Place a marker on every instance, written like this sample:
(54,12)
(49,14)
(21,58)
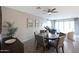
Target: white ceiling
(63,11)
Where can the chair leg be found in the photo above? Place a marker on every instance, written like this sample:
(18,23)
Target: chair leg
(63,49)
(57,50)
(36,46)
(43,49)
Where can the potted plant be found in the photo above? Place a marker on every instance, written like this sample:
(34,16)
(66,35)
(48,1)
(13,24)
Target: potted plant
(11,30)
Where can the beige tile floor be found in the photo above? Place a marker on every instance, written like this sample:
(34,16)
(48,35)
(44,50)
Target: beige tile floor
(70,46)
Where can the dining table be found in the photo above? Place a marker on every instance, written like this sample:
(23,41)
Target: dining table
(49,37)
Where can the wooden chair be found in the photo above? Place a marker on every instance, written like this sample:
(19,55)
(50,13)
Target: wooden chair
(58,44)
(61,34)
(70,35)
(42,31)
(39,40)
(35,37)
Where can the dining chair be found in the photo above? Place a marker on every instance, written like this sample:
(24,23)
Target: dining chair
(70,35)
(35,33)
(58,43)
(61,34)
(40,42)
(42,31)
(35,38)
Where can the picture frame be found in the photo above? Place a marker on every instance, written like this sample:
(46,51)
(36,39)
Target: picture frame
(37,23)
(29,22)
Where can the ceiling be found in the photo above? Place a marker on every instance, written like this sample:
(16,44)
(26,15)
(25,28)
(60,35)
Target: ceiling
(63,11)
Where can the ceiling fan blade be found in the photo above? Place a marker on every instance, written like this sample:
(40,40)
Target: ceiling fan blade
(49,10)
(53,9)
(55,12)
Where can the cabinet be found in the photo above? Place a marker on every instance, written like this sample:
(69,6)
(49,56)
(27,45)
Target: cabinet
(16,47)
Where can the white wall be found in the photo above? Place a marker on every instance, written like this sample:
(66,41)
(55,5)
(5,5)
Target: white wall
(20,21)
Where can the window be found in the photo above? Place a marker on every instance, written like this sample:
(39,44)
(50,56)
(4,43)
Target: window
(48,23)
(64,26)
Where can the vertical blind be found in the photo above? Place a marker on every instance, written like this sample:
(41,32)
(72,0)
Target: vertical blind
(64,26)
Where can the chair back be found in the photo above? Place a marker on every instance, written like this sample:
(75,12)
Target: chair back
(62,34)
(61,41)
(35,33)
(39,40)
(42,31)
(70,35)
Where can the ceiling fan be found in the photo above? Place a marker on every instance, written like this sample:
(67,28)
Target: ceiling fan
(50,11)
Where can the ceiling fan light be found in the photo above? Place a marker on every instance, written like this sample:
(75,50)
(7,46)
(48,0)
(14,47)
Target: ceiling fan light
(49,13)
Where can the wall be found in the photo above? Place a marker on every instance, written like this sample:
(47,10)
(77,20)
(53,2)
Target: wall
(20,20)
